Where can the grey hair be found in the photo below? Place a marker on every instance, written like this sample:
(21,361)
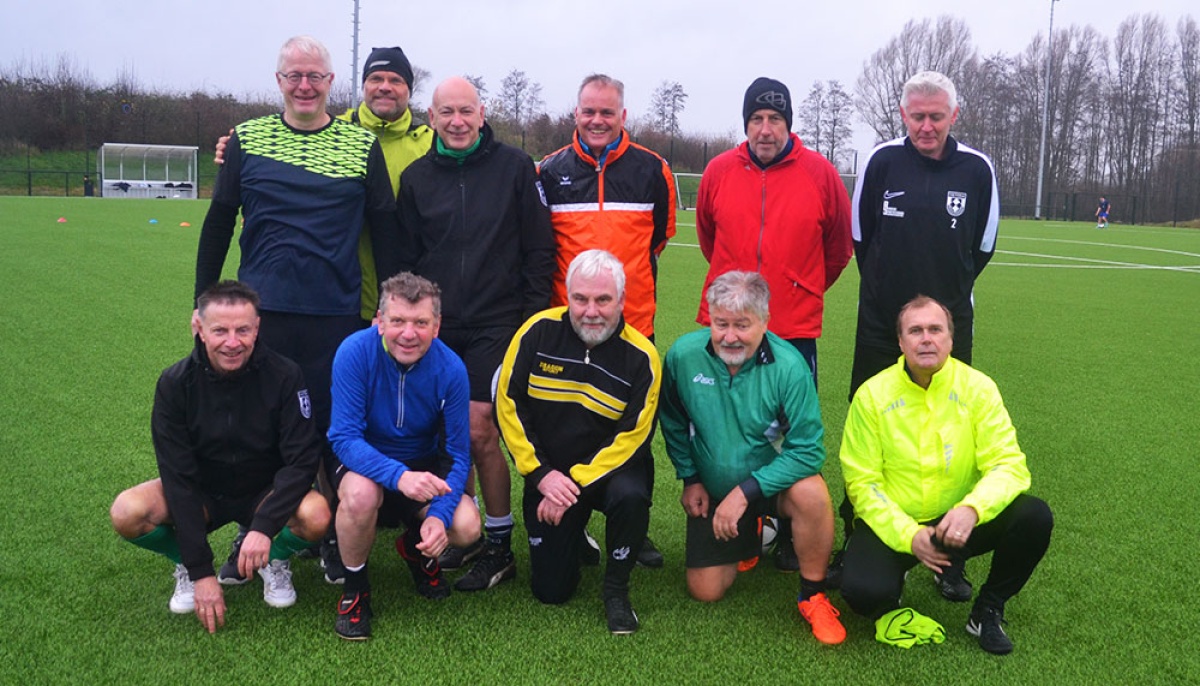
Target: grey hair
(603,80)
(930,83)
(740,292)
(411,288)
(589,263)
(304,45)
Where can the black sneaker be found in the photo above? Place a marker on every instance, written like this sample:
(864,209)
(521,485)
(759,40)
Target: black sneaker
(354,616)
(495,565)
(426,572)
(833,573)
(453,558)
(953,584)
(650,556)
(622,620)
(228,575)
(985,622)
(785,552)
(331,562)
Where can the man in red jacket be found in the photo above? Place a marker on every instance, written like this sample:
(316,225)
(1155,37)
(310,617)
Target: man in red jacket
(774,207)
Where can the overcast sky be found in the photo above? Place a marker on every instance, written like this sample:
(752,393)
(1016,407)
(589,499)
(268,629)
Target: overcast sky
(713,48)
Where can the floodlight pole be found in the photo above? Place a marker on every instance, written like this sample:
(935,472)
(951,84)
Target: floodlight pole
(354,47)
(1037,208)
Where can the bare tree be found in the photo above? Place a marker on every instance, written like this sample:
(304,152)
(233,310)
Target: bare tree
(1139,83)
(519,100)
(1188,102)
(944,46)
(668,100)
(477,81)
(825,120)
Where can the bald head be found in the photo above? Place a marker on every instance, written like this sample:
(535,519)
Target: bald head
(456,114)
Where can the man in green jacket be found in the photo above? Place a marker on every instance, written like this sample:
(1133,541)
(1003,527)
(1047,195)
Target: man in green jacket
(742,426)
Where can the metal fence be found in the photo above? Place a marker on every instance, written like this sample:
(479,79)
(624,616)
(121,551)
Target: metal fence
(64,182)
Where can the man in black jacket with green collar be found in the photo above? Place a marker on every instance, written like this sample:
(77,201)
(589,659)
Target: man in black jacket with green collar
(235,441)
(474,220)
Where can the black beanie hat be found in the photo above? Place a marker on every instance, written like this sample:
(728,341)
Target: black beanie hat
(767,94)
(389,59)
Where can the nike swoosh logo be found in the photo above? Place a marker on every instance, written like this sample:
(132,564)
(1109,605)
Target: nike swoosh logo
(888,195)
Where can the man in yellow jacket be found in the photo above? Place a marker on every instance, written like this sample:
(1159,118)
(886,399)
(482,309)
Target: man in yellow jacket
(384,111)
(935,474)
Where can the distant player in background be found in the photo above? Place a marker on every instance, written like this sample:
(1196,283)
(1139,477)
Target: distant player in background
(1102,213)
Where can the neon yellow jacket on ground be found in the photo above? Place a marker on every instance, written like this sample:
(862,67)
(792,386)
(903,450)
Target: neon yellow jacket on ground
(909,454)
(402,143)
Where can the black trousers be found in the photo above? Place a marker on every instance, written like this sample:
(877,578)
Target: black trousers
(873,577)
(310,341)
(554,551)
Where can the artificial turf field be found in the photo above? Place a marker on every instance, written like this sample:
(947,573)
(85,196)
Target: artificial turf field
(1091,336)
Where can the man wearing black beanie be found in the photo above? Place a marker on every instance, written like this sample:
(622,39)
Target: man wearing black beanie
(389,59)
(768,94)
(775,207)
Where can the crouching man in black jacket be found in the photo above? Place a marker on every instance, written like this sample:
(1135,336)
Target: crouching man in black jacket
(235,441)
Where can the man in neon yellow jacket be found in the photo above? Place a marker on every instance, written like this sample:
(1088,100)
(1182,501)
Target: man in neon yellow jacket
(384,111)
(934,471)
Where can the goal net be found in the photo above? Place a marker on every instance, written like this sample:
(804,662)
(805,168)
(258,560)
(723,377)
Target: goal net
(130,170)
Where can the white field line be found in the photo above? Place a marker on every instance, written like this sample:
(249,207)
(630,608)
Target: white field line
(1095,264)
(1102,245)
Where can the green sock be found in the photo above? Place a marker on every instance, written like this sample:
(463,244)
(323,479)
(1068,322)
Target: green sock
(287,544)
(160,540)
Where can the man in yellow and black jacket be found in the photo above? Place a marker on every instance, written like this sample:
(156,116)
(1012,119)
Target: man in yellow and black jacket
(576,400)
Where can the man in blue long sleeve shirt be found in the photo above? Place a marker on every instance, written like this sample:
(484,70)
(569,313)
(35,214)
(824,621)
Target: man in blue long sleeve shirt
(400,427)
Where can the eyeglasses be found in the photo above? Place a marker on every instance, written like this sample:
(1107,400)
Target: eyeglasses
(315,78)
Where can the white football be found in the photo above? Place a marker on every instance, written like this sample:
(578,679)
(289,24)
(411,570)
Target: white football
(770,527)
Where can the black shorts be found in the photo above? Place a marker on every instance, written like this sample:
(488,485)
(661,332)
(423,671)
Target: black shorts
(482,351)
(703,548)
(225,509)
(398,509)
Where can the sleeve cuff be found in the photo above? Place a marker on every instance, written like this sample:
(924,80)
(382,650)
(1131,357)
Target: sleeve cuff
(751,489)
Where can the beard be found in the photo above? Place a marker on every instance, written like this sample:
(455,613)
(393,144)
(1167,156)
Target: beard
(593,337)
(734,357)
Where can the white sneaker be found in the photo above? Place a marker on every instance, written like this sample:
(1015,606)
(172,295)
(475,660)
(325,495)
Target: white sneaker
(183,601)
(277,584)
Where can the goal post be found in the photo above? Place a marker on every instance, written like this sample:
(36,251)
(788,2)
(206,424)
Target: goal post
(687,188)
